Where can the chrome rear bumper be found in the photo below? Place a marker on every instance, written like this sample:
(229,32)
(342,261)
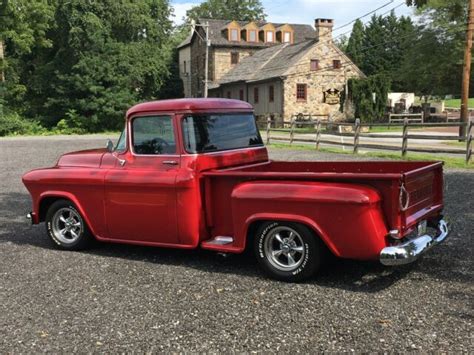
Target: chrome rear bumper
(411,250)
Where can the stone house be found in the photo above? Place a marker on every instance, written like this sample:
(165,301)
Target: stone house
(281,69)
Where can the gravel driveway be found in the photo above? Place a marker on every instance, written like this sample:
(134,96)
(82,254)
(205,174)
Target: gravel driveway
(118,298)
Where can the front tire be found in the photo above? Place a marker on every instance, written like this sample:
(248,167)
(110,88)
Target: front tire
(287,251)
(66,227)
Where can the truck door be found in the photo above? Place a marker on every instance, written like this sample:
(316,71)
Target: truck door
(140,193)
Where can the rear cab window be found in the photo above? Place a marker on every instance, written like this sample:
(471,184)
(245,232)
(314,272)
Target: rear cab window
(219,132)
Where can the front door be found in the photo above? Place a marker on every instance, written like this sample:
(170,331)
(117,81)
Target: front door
(140,193)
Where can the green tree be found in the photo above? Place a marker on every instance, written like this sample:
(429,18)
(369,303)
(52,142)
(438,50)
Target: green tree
(369,96)
(23,30)
(356,41)
(250,10)
(106,56)
(375,55)
(433,61)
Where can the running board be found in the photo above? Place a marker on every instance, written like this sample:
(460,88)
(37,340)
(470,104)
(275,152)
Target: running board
(222,244)
(217,241)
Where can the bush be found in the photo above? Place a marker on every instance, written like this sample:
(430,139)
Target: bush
(72,124)
(369,96)
(14,124)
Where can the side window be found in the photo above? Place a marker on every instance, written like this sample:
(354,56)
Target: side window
(153,135)
(122,142)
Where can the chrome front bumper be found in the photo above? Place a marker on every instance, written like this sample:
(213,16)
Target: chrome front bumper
(411,250)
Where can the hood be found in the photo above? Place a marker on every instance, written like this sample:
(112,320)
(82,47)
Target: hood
(85,158)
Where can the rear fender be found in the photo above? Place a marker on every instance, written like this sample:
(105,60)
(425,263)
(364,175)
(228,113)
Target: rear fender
(285,217)
(347,217)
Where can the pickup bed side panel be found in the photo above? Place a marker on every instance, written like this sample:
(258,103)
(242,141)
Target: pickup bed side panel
(347,217)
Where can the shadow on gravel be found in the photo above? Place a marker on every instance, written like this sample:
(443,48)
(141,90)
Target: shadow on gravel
(365,277)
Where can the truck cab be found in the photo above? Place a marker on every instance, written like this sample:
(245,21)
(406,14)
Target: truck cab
(194,173)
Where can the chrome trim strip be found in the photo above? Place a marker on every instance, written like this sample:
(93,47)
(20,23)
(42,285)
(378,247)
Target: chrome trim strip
(411,250)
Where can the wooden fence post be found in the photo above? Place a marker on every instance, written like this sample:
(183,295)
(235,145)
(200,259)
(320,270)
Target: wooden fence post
(405,137)
(356,135)
(469,142)
(292,127)
(318,133)
(269,126)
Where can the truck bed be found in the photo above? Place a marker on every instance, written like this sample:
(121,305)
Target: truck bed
(409,191)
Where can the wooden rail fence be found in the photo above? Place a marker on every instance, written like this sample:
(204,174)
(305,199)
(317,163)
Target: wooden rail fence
(357,133)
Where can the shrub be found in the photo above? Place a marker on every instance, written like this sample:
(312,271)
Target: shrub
(14,124)
(72,124)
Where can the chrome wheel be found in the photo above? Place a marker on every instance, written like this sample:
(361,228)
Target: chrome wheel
(284,248)
(67,225)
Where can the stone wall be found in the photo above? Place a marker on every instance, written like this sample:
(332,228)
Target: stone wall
(221,60)
(219,63)
(317,82)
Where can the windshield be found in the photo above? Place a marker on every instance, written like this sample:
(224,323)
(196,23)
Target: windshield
(215,132)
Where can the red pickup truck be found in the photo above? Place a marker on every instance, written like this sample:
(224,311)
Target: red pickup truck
(194,173)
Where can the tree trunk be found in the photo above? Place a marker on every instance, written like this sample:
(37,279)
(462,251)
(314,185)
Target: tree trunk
(2,56)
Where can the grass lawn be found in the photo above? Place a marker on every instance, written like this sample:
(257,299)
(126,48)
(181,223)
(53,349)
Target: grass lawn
(450,162)
(457,103)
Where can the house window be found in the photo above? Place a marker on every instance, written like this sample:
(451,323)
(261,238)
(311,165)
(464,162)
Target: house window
(185,69)
(286,37)
(336,64)
(255,95)
(252,36)
(271,93)
(229,95)
(314,64)
(301,92)
(234,57)
(269,37)
(241,95)
(234,34)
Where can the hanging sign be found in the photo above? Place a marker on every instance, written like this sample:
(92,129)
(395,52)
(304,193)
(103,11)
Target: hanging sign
(332,97)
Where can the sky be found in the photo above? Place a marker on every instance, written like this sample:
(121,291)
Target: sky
(305,11)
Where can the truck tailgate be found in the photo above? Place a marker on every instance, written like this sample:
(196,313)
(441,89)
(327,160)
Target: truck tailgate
(421,194)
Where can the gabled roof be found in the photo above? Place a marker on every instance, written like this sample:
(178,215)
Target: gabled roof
(217,37)
(268,63)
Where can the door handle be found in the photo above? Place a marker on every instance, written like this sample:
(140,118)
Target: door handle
(170,162)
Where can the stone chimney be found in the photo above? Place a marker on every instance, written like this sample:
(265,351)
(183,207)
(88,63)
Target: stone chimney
(324,29)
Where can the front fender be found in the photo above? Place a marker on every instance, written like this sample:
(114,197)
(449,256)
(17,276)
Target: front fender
(347,217)
(84,187)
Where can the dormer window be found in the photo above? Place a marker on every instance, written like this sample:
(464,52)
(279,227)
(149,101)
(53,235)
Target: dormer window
(285,34)
(234,34)
(232,31)
(267,33)
(269,36)
(250,32)
(252,36)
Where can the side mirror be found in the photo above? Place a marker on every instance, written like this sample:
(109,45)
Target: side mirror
(110,146)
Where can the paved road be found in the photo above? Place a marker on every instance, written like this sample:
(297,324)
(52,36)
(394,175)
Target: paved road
(120,298)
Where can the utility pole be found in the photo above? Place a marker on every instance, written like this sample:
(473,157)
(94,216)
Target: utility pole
(206,74)
(466,73)
(208,44)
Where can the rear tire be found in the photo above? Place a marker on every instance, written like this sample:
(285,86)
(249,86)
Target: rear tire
(66,227)
(287,251)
